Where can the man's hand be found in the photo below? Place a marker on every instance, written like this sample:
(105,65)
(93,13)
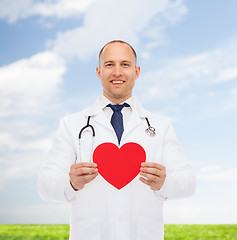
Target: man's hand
(82,173)
(155,174)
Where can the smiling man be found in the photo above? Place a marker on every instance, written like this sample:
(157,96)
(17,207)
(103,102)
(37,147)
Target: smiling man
(117,71)
(117,181)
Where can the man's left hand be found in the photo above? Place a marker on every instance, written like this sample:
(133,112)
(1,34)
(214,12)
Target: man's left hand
(154,173)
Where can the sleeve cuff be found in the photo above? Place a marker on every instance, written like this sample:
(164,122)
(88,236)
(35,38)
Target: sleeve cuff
(163,192)
(70,193)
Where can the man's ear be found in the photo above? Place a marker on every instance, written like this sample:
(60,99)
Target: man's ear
(137,71)
(98,72)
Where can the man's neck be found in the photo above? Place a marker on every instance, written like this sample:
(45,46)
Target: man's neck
(117,101)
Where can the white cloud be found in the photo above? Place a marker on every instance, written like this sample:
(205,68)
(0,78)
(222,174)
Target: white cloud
(106,20)
(27,87)
(217,174)
(23,150)
(200,70)
(218,103)
(23,146)
(12,141)
(12,10)
(28,84)
(214,199)
(61,8)
(230,103)
(20,165)
(195,81)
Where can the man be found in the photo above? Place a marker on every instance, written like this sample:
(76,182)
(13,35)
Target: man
(108,202)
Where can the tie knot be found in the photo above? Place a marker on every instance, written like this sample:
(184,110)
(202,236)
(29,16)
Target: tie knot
(118,107)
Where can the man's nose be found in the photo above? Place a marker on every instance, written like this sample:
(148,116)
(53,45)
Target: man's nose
(117,71)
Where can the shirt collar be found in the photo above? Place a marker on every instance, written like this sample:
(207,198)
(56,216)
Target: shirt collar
(103,102)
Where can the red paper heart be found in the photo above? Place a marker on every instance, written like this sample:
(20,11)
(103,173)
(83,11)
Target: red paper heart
(119,166)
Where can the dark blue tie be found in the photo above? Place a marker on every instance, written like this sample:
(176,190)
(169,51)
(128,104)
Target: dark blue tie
(117,119)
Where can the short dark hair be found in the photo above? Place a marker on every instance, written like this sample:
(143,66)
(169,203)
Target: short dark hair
(118,41)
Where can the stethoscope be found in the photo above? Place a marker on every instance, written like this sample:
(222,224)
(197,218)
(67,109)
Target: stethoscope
(150,131)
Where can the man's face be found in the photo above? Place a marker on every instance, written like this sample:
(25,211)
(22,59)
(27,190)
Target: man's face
(117,72)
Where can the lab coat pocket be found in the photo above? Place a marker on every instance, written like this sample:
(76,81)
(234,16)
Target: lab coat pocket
(150,229)
(85,229)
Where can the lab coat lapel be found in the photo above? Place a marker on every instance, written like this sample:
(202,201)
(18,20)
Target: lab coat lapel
(99,115)
(103,120)
(133,122)
(136,118)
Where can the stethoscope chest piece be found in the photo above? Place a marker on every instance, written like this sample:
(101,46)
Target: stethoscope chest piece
(151,131)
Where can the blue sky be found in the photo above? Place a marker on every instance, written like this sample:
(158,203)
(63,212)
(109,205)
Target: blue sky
(187,52)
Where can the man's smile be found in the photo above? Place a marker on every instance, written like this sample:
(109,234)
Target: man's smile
(117,81)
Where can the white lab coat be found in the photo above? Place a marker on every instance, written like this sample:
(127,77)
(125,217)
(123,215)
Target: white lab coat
(99,210)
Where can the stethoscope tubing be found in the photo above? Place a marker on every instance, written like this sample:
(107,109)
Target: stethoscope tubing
(150,131)
(88,125)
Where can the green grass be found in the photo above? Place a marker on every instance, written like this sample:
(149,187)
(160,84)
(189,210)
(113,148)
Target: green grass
(172,232)
(34,232)
(200,232)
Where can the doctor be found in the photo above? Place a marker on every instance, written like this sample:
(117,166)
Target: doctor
(100,210)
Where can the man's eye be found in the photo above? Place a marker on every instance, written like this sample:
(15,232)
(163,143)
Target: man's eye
(108,65)
(125,64)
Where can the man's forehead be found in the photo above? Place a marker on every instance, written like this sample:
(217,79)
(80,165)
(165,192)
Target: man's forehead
(109,52)
(115,45)
(110,60)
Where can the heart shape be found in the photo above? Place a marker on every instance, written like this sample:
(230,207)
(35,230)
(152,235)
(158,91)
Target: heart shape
(119,166)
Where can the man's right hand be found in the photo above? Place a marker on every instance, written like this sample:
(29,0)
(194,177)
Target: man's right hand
(82,173)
